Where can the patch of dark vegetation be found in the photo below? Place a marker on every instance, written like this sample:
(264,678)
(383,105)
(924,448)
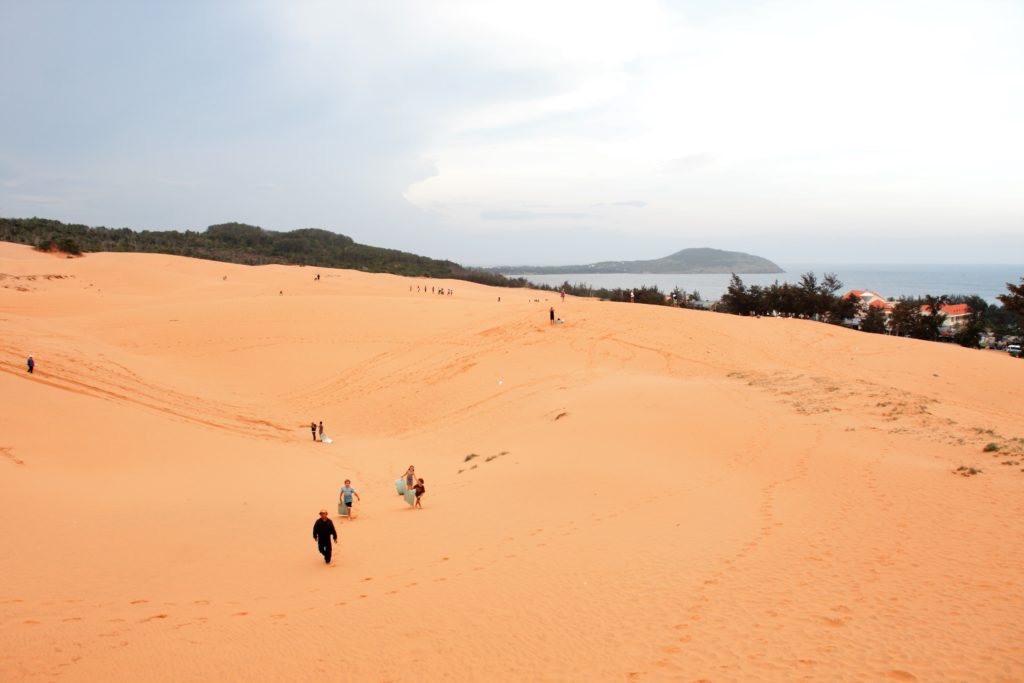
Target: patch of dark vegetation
(965,471)
(990,447)
(560,416)
(245,244)
(489,458)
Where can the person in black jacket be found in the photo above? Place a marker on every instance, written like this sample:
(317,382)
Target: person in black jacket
(323,530)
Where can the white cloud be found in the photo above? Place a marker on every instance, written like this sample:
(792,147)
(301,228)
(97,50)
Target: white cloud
(418,125)
(836,107)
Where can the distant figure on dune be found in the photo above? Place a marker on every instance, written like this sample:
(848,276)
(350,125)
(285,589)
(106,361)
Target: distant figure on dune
(31,364)
(345,496)
(312,428)
(323,531)
(551,315)
(420,489)
(320,428)
(563,295)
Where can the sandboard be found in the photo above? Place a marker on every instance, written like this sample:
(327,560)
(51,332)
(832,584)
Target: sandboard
(343,509)
(326,439)
(400,485)
(410,496)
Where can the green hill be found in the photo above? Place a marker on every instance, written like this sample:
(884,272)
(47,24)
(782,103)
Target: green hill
(241,243)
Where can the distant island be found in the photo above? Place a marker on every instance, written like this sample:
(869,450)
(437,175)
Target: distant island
(698,260)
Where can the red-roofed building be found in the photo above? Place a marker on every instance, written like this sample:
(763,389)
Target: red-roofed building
(870,299)
(958,311)
(956,316)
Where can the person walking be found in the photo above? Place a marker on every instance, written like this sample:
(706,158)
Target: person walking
(31,364)
(345,496)
(312,428)
(320,428)
(551,315)
(420,489)
(323,531)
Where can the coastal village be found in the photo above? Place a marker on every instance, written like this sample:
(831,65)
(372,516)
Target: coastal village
(955,317)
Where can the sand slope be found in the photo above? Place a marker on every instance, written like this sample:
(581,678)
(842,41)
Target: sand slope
(639,494)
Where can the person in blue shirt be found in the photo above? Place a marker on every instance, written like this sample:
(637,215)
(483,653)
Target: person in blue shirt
(345,496)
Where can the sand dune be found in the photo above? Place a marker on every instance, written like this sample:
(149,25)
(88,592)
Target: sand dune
(638,494)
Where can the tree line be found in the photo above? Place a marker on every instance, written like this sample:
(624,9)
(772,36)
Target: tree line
(245,244)
(917,317)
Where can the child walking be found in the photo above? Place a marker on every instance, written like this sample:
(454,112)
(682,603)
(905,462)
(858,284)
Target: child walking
(346,498)
(420,489)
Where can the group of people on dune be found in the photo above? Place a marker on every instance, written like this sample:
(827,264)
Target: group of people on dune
(323,528)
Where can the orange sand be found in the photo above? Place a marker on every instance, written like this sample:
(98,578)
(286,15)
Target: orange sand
(658,494)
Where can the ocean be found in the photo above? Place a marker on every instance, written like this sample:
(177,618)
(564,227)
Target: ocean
(891,281)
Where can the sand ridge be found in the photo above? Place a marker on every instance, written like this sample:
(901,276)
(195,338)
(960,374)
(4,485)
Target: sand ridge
(642,493)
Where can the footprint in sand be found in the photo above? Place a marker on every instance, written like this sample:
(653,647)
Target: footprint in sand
(899,675)
(138,602)
(155,616)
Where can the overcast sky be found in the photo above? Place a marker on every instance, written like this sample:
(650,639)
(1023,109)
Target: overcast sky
(529,132)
